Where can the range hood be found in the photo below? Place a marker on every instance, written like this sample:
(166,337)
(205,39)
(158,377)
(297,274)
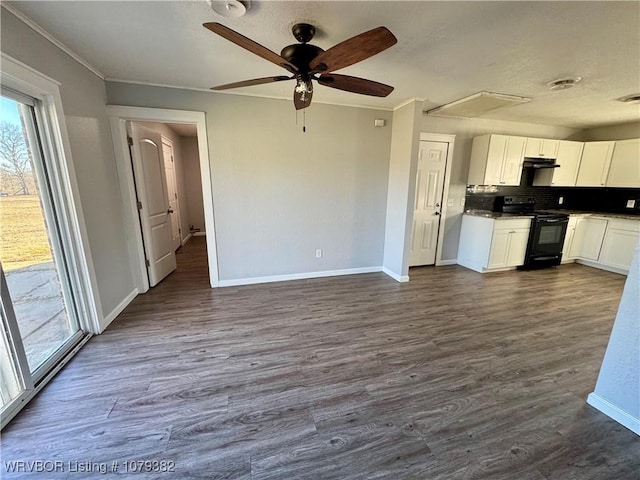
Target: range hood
(539,163)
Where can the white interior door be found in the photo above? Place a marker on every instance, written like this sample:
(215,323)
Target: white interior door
(154,208)
(432,161)
(172,191)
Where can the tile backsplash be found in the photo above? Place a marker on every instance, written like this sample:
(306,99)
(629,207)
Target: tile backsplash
(597,199)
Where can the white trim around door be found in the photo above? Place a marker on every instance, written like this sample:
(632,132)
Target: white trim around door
(450,139)
(118,116)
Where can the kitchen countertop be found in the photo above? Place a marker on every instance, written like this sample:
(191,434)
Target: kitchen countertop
(496,215)
(596,214)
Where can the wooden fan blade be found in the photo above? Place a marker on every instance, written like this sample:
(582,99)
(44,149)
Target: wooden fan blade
(354,50)
(249,83)
(250,45)
(355,85)
(302,100)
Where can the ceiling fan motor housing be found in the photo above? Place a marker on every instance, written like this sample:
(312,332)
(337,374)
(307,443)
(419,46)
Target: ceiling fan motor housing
(301,54)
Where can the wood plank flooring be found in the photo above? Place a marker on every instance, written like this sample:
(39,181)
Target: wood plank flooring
(455,375)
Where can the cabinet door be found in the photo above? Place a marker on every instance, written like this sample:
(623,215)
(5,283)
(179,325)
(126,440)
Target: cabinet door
(518,240)
(576,242)
(499,252)
(594,165)
(512,161)
(495,159)
(549,148)
(591,233)
(618,248)
(625,164)
(541,148)
(568,158)
(568,239)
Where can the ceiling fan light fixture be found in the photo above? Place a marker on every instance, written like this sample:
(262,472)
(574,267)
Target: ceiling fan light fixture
(477,104)
(563,83)
(304,86)
(230,8)
(630,99)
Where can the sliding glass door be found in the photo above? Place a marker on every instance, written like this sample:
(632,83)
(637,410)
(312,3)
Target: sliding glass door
(39,310)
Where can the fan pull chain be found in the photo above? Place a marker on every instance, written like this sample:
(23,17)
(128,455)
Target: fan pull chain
(304,120)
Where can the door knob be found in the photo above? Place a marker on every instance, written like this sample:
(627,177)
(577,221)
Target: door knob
(436,213)
(170,211)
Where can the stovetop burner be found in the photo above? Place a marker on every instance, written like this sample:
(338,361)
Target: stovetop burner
(524,205)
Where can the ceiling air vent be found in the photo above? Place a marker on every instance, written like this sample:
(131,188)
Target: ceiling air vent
(635,98)
(563,83)
(477,105)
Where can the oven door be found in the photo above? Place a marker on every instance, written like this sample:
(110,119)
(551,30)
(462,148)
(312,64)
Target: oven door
(548,236)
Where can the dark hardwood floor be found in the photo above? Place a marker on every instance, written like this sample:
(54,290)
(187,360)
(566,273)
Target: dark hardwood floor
(455,375)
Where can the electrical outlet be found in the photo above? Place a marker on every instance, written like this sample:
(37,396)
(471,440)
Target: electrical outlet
(462,202)
(318,253)
(631,203)
(451,202)
(560,200)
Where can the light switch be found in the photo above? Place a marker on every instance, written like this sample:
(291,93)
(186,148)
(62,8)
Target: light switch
(451,202)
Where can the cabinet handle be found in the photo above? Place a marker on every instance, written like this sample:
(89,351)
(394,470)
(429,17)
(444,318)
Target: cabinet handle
(503,182)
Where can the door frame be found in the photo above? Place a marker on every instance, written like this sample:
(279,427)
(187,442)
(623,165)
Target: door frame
(118,116)
(443,138)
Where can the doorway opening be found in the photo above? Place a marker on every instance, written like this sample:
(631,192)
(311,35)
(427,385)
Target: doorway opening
(431,191)
(160,152)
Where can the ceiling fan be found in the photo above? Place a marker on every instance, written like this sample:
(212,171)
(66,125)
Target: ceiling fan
(307,62)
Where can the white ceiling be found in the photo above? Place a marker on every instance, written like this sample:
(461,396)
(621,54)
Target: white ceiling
(445,50)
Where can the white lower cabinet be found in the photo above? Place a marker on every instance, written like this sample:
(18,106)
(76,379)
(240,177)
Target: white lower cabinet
(606,243)
(568,252)
(588,237)
(619,243)
(493,244)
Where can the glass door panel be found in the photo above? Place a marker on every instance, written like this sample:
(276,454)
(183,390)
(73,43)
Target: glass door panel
(10,384)
(30,249)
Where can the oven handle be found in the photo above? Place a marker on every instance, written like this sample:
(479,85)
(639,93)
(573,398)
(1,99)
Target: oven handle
(554,220)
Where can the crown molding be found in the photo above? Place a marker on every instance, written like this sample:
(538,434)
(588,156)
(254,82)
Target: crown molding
(38,29)
(273,97)
(407,102)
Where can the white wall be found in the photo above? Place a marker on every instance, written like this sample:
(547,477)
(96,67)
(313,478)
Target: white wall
(402,170)
(191,161)
(83,97)
(465,130)
(621,131)
(279,193)
(179,165)
(617,391)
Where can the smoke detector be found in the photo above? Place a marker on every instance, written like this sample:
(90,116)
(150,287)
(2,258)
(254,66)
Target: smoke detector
(230,8)
(563,83)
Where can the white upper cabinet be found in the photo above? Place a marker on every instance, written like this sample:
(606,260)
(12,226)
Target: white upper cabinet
(594,166)
(569,154)
(541,148)
(496,160)
(625,164)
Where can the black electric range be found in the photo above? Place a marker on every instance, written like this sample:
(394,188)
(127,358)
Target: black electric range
(546,237)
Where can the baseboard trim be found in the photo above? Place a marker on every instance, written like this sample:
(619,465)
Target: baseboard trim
(184,241)
(297,276)
(199,234)
(443,263)
(118,310)
(614,412)
(395,276)
(608,268)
